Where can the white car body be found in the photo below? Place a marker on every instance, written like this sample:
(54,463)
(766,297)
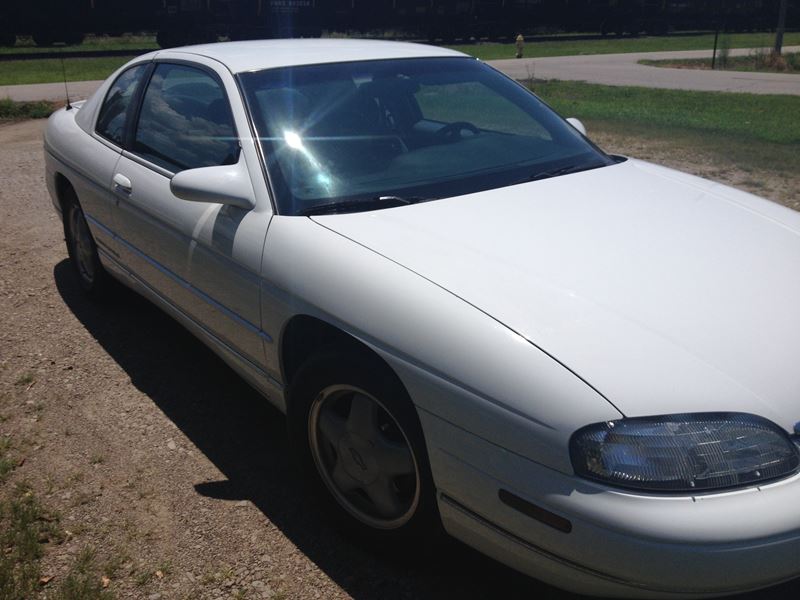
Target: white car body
(630,290)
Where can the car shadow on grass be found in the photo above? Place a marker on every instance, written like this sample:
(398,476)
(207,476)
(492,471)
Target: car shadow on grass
(245,438)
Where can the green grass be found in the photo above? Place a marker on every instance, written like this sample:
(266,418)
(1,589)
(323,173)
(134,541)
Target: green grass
(746,131)
(15,111)
(26,45)
(84,69)
(7,464)
(49,70)
(24,527)
(83,581)
(533,49)
(745,117)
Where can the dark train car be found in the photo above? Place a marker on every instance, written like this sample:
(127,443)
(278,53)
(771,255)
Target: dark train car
(115,17)
(193,21)
(185,21)
(48,21)
(8,25)
(664,16)
(359,15)
(68,21)
(431,19)
(180,22)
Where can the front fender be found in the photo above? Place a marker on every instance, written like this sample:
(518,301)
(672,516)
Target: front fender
(456,362)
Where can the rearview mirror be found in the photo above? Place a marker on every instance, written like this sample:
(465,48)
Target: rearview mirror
(228,184)
(577,125)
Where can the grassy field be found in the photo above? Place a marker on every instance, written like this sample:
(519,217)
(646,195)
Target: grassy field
(82,69)
(761,62)
(752,117)
(128,42)
(492,51)
(17,72)
(721,135)
(48,70)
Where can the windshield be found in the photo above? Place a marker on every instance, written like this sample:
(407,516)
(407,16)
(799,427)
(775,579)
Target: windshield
(361,135)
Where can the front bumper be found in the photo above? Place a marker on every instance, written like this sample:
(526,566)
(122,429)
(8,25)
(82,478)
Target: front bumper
(620,544)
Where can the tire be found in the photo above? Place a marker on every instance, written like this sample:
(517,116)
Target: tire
(357,440)
(82,250)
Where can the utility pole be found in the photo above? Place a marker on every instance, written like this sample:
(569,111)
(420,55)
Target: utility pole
(781,27)
(714,55)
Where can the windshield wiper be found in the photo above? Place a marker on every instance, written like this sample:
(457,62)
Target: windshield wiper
(566,170)
(358,205)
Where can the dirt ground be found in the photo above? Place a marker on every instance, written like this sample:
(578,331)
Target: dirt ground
(157,457)
(781,185)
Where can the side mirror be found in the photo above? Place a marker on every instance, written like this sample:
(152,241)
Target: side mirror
(577,125)
(228,184)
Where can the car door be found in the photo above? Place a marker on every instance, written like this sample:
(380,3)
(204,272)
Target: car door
(95,161)
(199,256)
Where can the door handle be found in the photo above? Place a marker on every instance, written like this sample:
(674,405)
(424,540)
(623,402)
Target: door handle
(122,183)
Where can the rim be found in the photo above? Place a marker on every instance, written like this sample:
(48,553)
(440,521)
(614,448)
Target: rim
(82,250)
(364,457)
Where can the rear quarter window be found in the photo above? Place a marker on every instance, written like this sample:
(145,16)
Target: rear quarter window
(116,108)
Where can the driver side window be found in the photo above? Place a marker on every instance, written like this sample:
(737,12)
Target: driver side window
(185,121)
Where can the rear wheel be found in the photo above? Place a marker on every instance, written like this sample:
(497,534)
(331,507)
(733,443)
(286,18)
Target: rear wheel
(358,438)
(82,250)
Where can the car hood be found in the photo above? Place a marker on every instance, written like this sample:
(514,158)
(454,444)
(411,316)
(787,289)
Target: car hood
(665,292)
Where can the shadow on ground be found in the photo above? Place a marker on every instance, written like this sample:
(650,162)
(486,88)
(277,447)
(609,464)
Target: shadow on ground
(245,438)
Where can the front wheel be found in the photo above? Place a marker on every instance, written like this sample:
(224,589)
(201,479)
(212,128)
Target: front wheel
(359,441)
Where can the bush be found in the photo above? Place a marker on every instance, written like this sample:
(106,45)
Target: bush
(12,111)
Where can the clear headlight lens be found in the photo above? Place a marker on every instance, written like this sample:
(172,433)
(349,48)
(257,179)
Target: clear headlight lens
(684,453)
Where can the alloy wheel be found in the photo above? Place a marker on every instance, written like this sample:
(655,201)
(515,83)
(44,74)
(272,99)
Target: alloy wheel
(364,457)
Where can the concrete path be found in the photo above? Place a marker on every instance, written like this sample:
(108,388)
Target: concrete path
(609,69)
(78,90)
(623,69)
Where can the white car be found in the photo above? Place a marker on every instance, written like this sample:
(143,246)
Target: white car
(583,365)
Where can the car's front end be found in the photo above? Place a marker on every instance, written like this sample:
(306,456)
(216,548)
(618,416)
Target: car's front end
(641,443)
(602,540)
(601,352)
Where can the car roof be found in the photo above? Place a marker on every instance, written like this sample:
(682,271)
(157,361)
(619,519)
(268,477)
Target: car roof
(269,54)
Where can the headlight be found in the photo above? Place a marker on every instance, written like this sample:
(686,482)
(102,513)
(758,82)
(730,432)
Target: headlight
(684,453)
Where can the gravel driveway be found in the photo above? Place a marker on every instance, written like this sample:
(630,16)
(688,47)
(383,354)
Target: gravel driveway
(157,456)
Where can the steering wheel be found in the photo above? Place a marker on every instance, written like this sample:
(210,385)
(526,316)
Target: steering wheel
(452,131)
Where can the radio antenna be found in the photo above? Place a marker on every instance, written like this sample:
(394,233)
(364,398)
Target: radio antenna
(66,89)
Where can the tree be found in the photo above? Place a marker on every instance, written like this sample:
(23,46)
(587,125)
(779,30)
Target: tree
(781,26)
